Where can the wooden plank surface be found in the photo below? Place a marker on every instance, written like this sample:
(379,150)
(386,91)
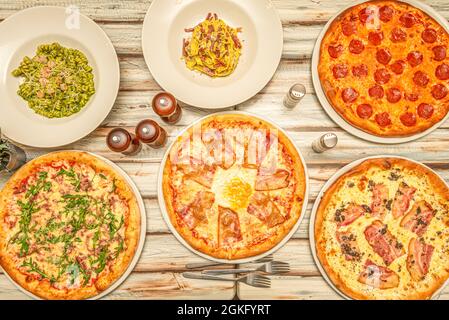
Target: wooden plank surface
(158,273)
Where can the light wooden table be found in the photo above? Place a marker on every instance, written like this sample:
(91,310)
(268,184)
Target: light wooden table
(158,273)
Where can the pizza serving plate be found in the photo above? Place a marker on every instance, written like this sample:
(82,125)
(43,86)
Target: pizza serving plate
(326,186)
(20,35)
(334,115)
(139,248)
(203,255)
(162,43)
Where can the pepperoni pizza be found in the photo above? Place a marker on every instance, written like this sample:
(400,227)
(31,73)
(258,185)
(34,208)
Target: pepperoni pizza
(233,186)
(384,68)
(382,231)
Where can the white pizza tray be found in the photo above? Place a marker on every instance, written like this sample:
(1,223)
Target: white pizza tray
(203,255)
(326,186)
(331,111)
(143,229)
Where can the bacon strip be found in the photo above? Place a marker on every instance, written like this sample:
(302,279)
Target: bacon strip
(278,180)
(379,200)
(199,172)
(349,214)
(383,242)
(195,213)
(378,276)
(418,259)
(229,227)
(402,199)
(265,209)
(418,218)
(348,245)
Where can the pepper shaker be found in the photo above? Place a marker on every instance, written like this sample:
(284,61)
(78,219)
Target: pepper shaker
(151,133)
(294,95)
(120,140)
(166,106)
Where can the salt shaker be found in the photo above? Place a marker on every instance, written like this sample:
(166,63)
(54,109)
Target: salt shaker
(325,142)
(120,140)
(294,95)
(166,106)
(151,133)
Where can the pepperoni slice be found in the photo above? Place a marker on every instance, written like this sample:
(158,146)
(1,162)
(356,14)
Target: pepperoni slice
(335,51)
(376,92)
(349,95)
(415,58)
(348,28)
(425,110)
(383,119)
(364,15)
(439,53)
(356,46)
(439,91)
(375,37)
(340,70)
(364,111)
(442,72)
(408,119)
(429,35)
(386,13)
(412,97)
(407,20)
(394,95)
(360,70)
(421,79)
(398,66)
(398,35)
(382,76)
(383,56)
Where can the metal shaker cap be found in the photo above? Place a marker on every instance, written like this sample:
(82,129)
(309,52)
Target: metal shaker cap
(298,91)
(329,140)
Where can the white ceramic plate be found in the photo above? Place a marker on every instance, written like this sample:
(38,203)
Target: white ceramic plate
(20,35)
(143,231)
(262,36)
(331,111)
(161,199)
(326,186)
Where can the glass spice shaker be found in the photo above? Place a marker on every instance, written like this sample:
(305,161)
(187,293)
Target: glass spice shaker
(12,157)
(120,140)
(151,133)
(167,107)
(294,95)
(325,142)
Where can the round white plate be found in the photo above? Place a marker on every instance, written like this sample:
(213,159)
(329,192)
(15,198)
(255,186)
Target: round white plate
(262,38)
(160,196)
(143,231)
(331,111)
(326,186)
(20,35)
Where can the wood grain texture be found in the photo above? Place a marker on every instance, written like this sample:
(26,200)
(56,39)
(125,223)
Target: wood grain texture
(158,273)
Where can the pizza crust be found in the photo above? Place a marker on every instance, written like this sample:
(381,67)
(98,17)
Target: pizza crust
(332,87)
(42,288)
(256,249)
(321,242)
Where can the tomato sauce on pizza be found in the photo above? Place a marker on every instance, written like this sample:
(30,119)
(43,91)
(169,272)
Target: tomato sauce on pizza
(384,68)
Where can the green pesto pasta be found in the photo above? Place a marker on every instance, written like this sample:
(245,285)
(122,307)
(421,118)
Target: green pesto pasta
(58,81)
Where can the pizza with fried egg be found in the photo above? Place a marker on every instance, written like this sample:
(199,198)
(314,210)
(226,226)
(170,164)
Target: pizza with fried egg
(382,231)
(384,68)
(69,226)
(233,186)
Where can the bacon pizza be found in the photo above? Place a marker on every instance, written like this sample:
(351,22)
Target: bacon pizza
(69,226)
(233,186)
(381,231)
(384,68)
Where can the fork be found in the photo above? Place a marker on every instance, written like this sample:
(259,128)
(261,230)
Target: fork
(197,265)
(251,279)
(272,267)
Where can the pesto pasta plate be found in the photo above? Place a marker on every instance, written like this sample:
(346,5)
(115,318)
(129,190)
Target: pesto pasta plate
(59,76)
